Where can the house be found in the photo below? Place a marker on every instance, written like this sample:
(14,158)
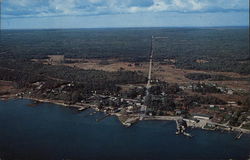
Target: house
(232,103)
(191,120)
(38,85)
(248,117)
(178,112)
(230,92)
(130,109)
(211,106)
(182,87)
(222,108)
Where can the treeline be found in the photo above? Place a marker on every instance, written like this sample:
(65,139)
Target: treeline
(161,98)
(225,64)
(25,72)
(195,101)
(212,77)
(158,104)
(198,76)
(205,88)
(75,74)
(164,88)
(22,79)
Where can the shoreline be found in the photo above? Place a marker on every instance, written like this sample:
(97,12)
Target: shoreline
(134,118)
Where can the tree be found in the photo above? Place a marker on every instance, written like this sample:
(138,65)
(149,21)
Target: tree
(75,96)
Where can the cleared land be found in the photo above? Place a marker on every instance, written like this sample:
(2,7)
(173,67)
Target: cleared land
(7,89)
(168,73)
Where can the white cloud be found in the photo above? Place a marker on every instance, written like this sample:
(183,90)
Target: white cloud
(159,5)
(65,7)
(37,8)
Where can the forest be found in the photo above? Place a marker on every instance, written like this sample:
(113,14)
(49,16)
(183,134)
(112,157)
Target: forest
(24,73)
(217,49)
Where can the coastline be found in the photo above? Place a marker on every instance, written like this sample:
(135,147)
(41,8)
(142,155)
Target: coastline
(134,118)
(55,127)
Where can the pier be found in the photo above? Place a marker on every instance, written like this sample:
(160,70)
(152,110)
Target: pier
(98,120)
(239,135)
(83,108)
(181,127)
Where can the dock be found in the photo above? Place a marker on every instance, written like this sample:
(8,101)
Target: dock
(239,135)
(83,108)
(187,134)
(180,128)
(98,120)
(130,121)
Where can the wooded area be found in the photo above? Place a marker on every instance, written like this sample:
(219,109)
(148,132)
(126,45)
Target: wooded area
(217,49)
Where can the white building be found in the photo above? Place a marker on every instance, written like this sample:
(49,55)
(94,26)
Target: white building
(203,117)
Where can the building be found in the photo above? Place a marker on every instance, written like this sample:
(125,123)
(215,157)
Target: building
(202,116)
(232,104)
(248,117)
(178,112)
(230,92)
(211,106)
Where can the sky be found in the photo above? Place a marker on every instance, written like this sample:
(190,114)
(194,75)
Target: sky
(38,14)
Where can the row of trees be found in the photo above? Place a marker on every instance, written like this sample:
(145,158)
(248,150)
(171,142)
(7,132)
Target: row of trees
(205,88)
(90,77)
(193,101)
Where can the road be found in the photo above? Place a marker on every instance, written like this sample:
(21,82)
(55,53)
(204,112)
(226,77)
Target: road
(144,107)
(150,71)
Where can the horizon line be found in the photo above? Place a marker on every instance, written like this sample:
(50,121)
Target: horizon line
(234,26)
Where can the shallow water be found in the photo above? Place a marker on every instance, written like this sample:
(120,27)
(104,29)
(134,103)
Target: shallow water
(49,131)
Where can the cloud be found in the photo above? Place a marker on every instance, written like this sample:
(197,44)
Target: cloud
(48,8)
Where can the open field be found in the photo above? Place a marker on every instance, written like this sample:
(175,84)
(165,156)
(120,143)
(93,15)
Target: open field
(7,89)
(6,86)
(168,73)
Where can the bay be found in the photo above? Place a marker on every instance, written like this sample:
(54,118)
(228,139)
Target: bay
(49,131)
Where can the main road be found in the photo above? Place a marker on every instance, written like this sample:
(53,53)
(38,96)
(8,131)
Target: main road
(150,67)
(144,107)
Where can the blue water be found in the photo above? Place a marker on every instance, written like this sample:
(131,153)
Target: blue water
(49,131)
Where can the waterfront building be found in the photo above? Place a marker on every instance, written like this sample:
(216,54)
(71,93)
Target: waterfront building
(202,116)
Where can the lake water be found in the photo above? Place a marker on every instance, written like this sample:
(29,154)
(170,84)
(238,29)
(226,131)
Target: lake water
(49,131)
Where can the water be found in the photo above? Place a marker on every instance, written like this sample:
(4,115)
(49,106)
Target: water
(49,131)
